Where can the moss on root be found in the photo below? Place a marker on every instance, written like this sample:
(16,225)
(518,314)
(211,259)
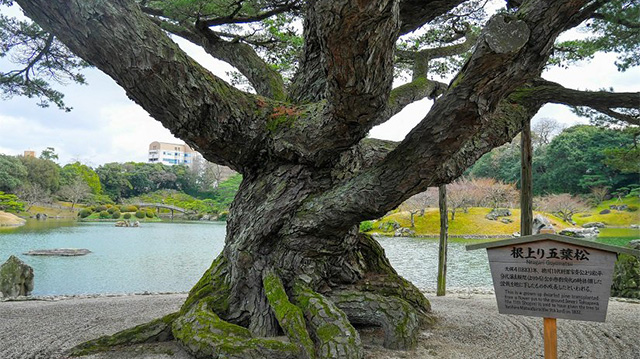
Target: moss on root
(155,331)
(335,337)
(204,335)
(289,316)
(214,287)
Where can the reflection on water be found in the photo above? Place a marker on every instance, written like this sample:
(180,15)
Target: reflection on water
(416,259)
(171,257)
(155,257)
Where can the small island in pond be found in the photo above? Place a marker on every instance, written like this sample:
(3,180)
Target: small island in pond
(59,252)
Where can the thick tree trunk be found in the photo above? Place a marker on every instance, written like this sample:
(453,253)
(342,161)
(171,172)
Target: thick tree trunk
(346,269)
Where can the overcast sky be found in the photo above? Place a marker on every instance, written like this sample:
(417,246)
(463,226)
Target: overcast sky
(105,126)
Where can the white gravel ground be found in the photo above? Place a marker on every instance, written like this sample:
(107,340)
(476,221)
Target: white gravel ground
(468,327)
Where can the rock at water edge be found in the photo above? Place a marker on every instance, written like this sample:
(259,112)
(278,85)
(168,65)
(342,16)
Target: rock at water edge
(16,278)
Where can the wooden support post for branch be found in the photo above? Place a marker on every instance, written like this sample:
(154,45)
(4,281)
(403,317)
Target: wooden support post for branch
(550,338)
(526,181)
(444,235)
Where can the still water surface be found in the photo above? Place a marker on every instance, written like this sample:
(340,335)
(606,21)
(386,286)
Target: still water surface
(171,257)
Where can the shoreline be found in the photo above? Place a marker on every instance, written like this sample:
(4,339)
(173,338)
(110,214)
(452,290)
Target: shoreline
(427,292)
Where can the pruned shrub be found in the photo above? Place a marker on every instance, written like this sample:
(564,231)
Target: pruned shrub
(101,208)
(128,208)
(127,216)
(149,213)
(84,213)
(115,214)
(223,216)
(111,210)
(140,214)
(105,214)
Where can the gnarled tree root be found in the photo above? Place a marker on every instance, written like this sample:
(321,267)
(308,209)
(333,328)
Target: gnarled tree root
(158,330)
(399,320)
(331,330)
(315,325)
(204,335)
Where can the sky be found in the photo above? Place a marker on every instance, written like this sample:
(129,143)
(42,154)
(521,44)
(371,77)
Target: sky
(105,126)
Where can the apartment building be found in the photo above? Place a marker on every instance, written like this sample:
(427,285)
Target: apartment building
(171,153)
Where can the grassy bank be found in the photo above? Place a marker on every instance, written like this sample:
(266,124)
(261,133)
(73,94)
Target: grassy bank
(615,218)
(474,223)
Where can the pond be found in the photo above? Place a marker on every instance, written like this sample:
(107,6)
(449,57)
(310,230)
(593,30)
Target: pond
(171,257)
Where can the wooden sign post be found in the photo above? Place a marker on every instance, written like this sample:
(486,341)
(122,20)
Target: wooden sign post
(552,276)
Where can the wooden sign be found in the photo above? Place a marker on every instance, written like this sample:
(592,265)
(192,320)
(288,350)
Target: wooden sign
(552,276)
(552,280)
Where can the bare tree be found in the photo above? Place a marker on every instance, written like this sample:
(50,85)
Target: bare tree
(599,194)
(75,192)
(563,205)
(501,194)
(208,175)
(419,203)
(32,194)
(457,196)
(544,129)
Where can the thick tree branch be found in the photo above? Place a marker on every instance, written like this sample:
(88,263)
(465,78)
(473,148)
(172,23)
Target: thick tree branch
(409,93)
(415,13)
(115,36)
(543,91)
(510,52)
(234,19)
(264,79)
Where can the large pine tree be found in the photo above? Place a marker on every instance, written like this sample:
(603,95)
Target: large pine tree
(294,262)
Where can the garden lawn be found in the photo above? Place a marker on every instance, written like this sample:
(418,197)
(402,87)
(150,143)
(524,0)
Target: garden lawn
(471,223)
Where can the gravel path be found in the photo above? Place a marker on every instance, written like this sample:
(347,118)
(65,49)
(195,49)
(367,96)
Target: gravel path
(468,327)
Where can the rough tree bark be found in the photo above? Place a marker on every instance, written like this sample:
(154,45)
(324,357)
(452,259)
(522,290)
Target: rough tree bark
(294,262)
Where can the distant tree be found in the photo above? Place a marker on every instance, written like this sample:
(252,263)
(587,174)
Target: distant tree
(502,163)
(12,173)
(32,193)
(209,175)
(114,180)
(75,191)
(72,171)
(44,173)
(543,130)
(501,194)
(49,153)
(599,194)
(575,160)
(418,203)
(563,205)
(626,157)
(457,197)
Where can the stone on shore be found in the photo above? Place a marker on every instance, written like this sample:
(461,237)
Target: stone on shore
(542,224)
(590,233)
(498,212)
(593,225)
(59,252)
(16,278)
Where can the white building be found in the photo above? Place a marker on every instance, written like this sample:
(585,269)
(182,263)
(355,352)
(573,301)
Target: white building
(171,153)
